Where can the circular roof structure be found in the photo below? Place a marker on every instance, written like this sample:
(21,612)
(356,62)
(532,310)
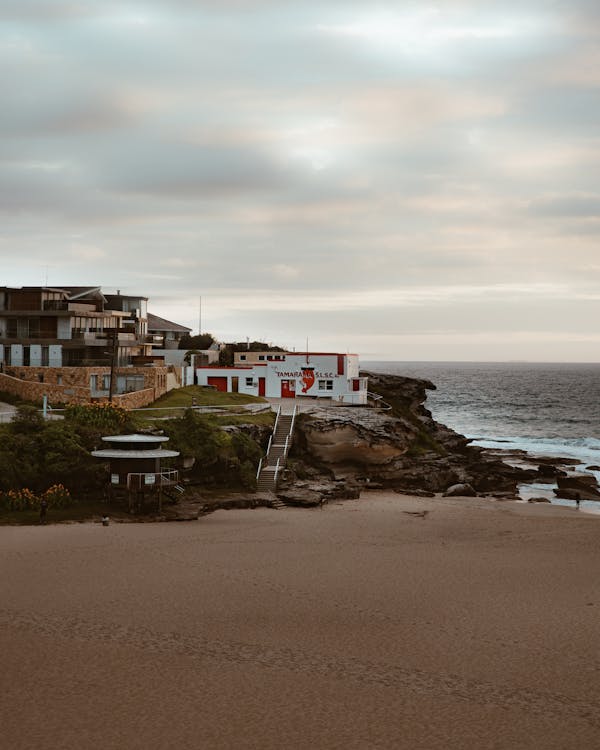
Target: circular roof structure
(135,446)
(135,438)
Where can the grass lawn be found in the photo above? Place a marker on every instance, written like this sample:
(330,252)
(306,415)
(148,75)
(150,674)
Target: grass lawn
(173,403)
(182,397)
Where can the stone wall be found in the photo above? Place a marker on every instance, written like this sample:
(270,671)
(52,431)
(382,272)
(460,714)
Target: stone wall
(136,399)
(34,390)
(71,385)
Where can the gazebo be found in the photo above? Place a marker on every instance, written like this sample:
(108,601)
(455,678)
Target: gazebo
(135,467)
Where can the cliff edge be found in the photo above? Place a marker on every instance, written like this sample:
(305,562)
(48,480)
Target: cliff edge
(398,445)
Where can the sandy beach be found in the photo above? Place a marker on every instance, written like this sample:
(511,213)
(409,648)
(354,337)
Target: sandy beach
(361,625)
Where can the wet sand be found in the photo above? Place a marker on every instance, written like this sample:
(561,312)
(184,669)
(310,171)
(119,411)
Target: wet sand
(356,626)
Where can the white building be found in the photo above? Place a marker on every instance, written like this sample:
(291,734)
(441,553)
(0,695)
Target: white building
(290,375)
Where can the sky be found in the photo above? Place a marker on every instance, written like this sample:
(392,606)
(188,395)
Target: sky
(404,180)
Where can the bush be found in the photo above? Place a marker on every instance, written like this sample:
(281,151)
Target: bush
(57,496)
(104,415)
(24,499)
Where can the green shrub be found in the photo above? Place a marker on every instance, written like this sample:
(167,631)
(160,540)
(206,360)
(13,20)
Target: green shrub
(104,415)
(24,499)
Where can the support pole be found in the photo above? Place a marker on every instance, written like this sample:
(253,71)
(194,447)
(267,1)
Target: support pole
(113,353)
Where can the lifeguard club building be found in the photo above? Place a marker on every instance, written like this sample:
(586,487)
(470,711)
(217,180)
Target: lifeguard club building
(290,375)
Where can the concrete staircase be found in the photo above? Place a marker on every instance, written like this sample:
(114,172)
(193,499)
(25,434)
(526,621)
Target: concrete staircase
(275,459)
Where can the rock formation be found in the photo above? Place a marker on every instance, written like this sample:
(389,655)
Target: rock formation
(398,446)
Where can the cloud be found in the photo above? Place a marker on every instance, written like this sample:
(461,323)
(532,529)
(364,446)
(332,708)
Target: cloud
(587,206)
(428,168)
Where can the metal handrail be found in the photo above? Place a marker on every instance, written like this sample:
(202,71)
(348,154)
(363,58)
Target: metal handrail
(275,475)
(277,419)
(290,436)
(165,477)
(377,397)
(259,469)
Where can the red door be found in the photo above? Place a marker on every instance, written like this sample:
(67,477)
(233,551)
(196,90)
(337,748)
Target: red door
(219,383)
(288,389)
(261,386)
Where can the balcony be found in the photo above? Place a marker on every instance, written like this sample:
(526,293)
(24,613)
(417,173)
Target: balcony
(55,304)
(103,338)
(151,479)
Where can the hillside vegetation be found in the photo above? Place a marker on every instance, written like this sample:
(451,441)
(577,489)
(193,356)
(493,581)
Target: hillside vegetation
(37,456)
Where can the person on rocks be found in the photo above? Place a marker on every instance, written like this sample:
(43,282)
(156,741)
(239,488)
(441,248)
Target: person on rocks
(577,500)
(43,510)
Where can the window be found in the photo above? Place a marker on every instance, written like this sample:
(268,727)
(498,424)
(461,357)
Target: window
(93,382)
(134,383)
(23,328)
(249,381)
(325,385)
(106,382)
(242,356)
(261,357)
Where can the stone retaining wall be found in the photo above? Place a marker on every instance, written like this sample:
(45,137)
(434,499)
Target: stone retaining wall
(71,385)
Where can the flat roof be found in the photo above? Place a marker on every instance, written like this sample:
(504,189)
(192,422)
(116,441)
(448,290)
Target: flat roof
(122,453)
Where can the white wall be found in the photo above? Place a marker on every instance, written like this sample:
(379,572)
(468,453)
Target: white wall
(317,378)
(63,328)
(35,355)
(55,355)
(16,355)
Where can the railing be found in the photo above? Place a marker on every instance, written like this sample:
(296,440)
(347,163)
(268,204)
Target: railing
(206,409)
(277,419)
(18,337)
(165,478)
(270,443)
(275,474)
(377,398)
(259,469)
(291,432)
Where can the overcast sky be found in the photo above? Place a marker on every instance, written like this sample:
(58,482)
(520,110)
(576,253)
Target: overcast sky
(404,180)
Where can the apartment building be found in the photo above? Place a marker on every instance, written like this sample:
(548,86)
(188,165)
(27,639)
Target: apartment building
(73,340)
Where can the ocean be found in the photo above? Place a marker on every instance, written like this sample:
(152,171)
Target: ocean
(544,409)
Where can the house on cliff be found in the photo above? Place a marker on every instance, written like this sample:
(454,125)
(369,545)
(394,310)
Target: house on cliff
(77,344)
(165,334)
(290,375)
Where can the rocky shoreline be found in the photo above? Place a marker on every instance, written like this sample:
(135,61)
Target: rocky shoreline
(338,452)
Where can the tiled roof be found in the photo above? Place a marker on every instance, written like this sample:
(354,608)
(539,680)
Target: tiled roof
(160,324)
